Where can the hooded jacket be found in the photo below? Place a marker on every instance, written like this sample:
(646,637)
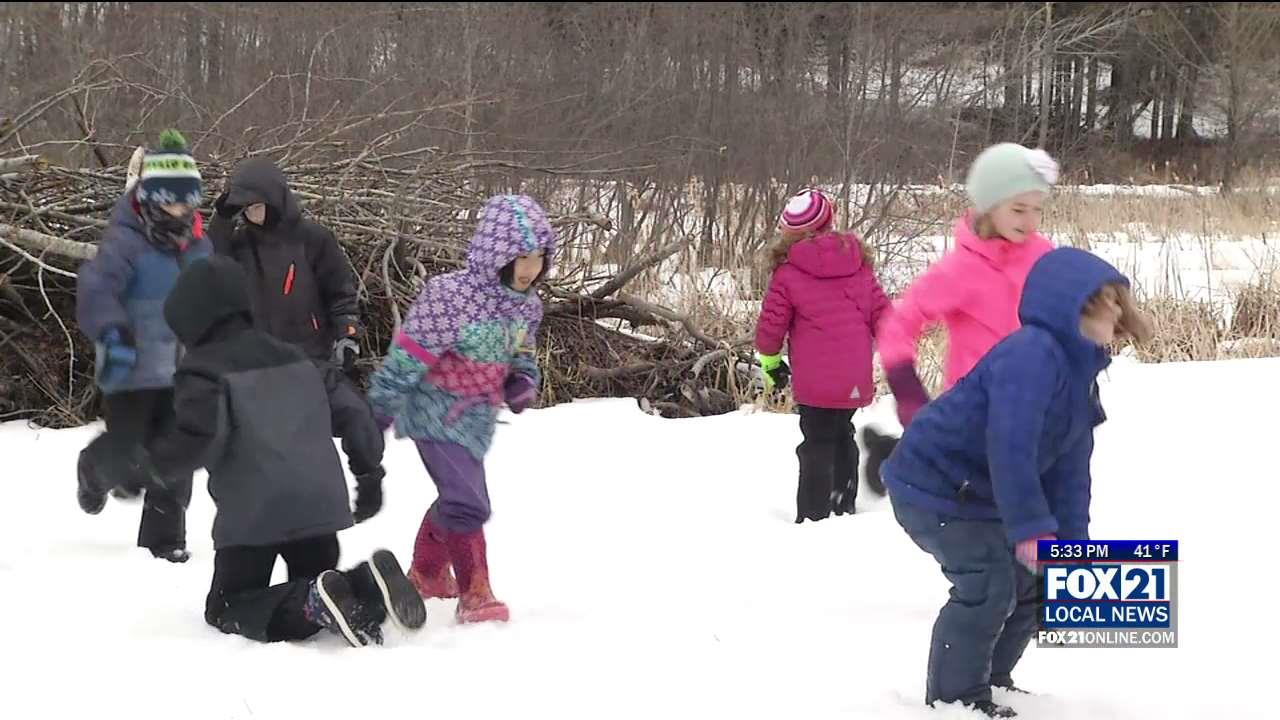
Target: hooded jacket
(125,286)
(829,304)
(252,410)
(1012,440)
(301,285)
(466,332)
(973,291)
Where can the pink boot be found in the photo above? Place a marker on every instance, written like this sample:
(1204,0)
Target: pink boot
(430,573)
(477,603)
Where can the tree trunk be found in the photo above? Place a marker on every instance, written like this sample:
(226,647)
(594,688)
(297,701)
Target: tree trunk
(1091,100)
(1046,78)
(1169,107)
(1187,114)
(1077,98)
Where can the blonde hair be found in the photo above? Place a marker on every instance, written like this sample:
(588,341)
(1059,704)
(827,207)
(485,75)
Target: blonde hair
(1133,323)
(781,249)
(984,227)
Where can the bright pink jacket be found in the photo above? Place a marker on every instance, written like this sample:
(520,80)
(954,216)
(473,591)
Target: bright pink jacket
(974,290)
(829,303)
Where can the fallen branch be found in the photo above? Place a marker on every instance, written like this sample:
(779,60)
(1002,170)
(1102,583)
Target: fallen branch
(47,243)
(644,263)
(21,163)
(672,316)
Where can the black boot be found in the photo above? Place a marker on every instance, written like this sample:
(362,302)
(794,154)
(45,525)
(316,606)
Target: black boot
(172,553)
(91,499)
(990,709)
(879,448)
(332,604)
(396,593)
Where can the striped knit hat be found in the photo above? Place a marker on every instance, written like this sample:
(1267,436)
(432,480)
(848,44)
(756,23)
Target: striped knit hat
(169,173)
(810,211)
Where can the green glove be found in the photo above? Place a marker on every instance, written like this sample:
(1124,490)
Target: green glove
(777,374)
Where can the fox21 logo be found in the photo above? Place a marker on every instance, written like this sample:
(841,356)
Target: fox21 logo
(1109,593)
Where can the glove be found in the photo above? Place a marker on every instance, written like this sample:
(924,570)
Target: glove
(369,494)
(520,392)
(345,352)
(907,390)
(777,373)
(223,208)
(116,358)
(1026,551)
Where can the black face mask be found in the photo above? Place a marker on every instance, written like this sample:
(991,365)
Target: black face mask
(164,230)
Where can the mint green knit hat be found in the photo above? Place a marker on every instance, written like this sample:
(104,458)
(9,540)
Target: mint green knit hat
(1007,170)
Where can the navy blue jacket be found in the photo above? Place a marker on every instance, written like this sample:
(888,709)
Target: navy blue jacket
(1013,438)
(125,286)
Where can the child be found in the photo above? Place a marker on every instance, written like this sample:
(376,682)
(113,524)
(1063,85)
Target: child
(303,292)
(254,411)
(467,347)
(154,233)
(825,298)
(1001,460)
(974,289)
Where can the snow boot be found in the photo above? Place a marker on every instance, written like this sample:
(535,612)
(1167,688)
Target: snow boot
(476,603)
(990,709)
(172,553)
(90,498)
(332,604)
(879,448)
(367,592)
(398,595)
(432,572)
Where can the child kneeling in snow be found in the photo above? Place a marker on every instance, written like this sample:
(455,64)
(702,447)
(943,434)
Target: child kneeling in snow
(466,348)
(1001,460)
(255,412)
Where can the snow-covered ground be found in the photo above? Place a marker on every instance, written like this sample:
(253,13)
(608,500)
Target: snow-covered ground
(653,571)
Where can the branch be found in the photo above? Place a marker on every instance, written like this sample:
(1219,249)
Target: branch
(672,316)
(47,243)
(23,162)
(621,279)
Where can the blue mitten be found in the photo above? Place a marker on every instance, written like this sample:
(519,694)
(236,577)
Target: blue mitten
(115,358)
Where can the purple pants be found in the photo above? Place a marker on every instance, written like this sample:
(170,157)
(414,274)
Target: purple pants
(463,502)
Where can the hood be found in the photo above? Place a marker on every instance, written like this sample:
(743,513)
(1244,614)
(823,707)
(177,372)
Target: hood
(510,226)
(258,180)
(125,214)
(829,255)
(1056,290)
(208,293)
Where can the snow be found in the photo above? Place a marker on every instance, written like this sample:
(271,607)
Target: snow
(653,571)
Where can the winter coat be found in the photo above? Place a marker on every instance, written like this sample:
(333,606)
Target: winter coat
(973,290)
(125,286)
(255,413)
(829,303)
(1012,440)
(303,289)
(465,334)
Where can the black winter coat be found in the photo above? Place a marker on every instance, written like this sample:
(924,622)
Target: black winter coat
(302,286)
(253,411)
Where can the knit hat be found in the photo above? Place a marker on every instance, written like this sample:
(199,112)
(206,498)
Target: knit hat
(1007,170)
(169,173)
(810,211)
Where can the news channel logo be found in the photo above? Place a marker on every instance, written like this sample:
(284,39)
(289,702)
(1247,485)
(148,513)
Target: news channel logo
(1109,593)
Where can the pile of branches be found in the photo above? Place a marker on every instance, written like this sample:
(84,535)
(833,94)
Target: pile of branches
(401,217)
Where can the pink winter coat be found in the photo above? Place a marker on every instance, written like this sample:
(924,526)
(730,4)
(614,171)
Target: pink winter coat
(829,303)
(974,290)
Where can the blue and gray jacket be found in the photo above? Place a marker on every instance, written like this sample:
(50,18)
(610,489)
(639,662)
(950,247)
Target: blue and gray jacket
(125,287)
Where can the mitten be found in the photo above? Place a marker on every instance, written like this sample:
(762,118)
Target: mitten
(520,392)
(368,494)
(345,352)
(777,374)
(115,359)
(907,390)
(224,208)
(1026,551)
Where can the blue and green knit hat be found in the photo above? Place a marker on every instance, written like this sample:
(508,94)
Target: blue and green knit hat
(169,173)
